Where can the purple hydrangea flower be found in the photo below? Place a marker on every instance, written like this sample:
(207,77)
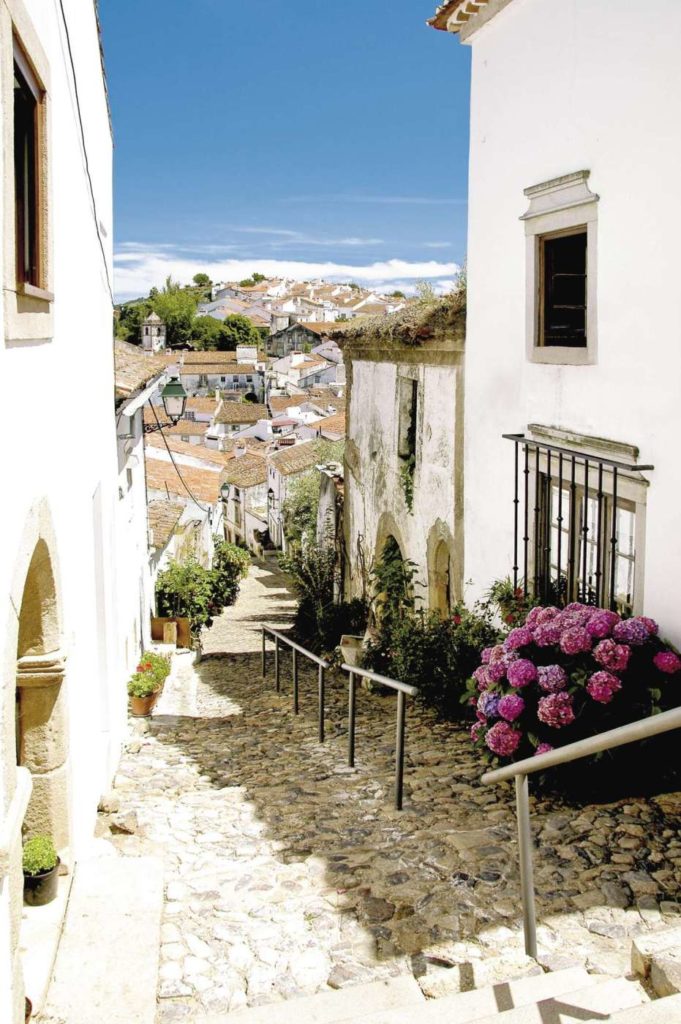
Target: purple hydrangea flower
(631,631)
(488,705)
(519,637)
(552,678)
(603,686)
(650,624)
(602,623)
(543,748)
(556,710)
(667,662)
(531,619)
(577,606)
(611,655)
(521,672)
(575,640)
(503,739)
(511,707)
(547,634)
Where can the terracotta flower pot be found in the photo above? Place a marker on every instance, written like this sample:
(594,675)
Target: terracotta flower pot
(40,890)
(140,707)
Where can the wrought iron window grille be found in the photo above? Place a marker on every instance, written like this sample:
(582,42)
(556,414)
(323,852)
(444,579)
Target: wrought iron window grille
(566,534)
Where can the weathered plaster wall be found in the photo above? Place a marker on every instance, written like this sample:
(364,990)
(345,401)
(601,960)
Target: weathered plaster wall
(375,503)
(553,92)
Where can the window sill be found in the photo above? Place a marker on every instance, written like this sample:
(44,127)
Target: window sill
(33,292)
(557,355)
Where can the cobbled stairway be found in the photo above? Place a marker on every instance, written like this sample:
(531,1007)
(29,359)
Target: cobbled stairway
(288,876)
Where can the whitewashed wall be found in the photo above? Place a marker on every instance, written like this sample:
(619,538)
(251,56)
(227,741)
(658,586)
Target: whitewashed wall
(68,375)
(560,87)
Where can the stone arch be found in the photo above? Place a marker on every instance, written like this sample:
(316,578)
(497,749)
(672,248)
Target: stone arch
(35,660)
(388,529)
(443,590)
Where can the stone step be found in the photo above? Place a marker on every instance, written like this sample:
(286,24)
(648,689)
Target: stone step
(354,1003)
(595,1002)
(107,962)
(645,948)
(660,1011)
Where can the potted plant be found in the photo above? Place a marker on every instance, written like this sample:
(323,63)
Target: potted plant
(41,868)
(143,690)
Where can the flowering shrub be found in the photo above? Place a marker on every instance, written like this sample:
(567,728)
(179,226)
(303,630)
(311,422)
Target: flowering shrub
(150,675)
(564,675)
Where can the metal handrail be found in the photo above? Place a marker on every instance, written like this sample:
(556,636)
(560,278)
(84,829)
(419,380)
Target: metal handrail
(403,690)
(643,729)
(295,650)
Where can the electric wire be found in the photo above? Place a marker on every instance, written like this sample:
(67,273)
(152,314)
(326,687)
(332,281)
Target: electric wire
(175,466)
(85,153)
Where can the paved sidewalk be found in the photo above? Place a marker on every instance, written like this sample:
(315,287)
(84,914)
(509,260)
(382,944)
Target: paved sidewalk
(287,872)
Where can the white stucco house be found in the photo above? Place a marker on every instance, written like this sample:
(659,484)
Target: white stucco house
(63,702)
(283,467)
(244,495)
(573,300)
(404,449)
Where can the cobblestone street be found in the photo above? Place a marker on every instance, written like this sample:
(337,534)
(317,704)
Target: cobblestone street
(286,872)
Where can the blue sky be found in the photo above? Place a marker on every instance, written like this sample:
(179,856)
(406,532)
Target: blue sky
(290,136)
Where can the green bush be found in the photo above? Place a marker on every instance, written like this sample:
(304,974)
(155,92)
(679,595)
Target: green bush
(186,589)
(230,565)
(436,655)
(154,665)
(39,855)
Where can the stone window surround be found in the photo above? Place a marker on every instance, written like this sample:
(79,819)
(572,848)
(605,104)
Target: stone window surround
(558,206)
(28,311)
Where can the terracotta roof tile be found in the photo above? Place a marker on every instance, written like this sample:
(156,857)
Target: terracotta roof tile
(163,517)
(296,459)
(134,368)
(246,471)
(197,451)
(334,424)
(241,412)
(203,483)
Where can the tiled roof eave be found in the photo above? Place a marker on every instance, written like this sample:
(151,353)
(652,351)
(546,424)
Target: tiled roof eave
(453,15)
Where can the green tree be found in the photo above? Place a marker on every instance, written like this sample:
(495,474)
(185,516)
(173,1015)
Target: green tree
(238,330)
(206,332)
(202,280)
(129,323)
(397,295)
(177,308)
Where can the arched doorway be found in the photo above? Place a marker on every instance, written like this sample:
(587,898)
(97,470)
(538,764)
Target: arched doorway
(41,726)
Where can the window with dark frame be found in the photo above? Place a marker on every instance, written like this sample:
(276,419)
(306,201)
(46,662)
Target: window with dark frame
(27,102)
(562,320)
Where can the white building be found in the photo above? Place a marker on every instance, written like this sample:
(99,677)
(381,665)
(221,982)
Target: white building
(245,501)
(573,312)
(283,467)
(153,334)
(403,454)
(63,698)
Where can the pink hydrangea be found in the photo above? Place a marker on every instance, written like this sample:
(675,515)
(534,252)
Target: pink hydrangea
(547,634)
(496,670)
(511,707)
(531,619)
(577,606)
(603,686)
(482,678)
(519,637)
(552,678)
(556,710)
(650,624)
(496,653)
(631,631)
(486,655)
(612,656)
(667,662)
(543,748)
(521,673)
(575,640)
(503,739)
(476,729)
(601,623)
(547,614)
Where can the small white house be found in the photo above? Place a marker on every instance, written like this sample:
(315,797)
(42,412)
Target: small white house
(245,501)
(283,467)
(573,313)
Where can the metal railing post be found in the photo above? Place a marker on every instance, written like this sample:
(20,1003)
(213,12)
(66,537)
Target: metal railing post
(526,870)
(351,721)
(320,682)
(277,681)
(264,655)
(399,751)
(294,654)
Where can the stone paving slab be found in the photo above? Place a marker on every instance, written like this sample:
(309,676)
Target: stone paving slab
(286,872)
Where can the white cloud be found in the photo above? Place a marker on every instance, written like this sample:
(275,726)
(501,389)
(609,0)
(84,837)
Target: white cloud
(378,200)
(437,245)
(136,272)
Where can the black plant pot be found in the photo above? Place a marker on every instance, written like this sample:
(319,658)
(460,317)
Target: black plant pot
(41,889)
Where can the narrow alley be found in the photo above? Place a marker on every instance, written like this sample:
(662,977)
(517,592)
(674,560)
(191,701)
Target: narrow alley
(287,872)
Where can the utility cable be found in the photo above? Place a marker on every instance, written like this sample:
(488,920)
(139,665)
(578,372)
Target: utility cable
(175,466)
(85,153)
